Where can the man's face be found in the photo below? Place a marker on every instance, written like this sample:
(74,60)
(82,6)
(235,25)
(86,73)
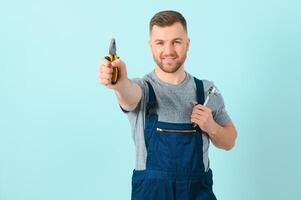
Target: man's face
(169,46)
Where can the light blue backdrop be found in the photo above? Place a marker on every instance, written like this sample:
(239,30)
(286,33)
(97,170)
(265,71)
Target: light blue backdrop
(62,135)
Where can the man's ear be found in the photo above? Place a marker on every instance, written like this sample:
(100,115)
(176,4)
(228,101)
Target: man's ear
(188,43)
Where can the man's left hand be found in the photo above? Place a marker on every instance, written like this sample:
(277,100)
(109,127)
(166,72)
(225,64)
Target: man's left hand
(202,116)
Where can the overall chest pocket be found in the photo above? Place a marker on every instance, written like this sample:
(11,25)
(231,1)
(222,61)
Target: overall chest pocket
(172,143)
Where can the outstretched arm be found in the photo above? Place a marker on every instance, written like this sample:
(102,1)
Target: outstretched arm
(128,93)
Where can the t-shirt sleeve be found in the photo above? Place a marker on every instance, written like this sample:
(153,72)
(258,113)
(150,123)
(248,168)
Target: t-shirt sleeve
(216,102)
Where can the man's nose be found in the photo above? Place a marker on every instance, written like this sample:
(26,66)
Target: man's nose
(169,49)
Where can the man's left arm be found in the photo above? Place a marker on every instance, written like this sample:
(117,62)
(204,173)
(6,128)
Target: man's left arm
(222,136)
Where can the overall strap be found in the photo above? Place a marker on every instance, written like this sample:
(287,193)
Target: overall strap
(151,116)
(199,90)
(152,102)
(200,94)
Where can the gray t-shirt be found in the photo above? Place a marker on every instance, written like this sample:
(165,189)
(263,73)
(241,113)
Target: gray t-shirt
(174,105)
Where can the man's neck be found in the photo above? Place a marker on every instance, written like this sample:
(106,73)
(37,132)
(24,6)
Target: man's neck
(172,78)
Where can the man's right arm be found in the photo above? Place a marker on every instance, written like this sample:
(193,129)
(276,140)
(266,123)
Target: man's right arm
(128,93)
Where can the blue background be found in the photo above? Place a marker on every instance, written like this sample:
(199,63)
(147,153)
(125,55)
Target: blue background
(62,134)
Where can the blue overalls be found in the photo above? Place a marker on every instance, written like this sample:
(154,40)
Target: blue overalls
(174,165)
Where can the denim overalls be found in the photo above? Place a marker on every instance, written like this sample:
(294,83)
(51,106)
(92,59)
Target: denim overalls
(174,165)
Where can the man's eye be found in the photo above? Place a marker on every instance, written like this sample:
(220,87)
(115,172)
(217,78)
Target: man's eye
(159,43)
(177,42)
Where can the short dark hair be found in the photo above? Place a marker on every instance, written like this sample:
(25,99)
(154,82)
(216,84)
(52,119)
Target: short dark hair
(167,18)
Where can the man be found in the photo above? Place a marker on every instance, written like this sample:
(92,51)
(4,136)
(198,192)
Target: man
(172,154)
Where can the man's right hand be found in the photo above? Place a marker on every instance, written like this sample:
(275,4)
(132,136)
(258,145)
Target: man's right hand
(106,70)
(128,93)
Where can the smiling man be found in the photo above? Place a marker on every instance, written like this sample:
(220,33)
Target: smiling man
(171,126)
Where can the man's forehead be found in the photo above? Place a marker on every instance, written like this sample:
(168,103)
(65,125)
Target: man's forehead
(168,32)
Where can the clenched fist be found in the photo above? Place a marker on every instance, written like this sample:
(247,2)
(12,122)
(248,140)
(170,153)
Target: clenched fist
(202,116)
(106,71)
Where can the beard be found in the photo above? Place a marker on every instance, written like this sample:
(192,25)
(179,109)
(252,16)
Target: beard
(170,68)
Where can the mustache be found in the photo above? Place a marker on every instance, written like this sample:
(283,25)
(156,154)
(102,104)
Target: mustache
(169,56)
